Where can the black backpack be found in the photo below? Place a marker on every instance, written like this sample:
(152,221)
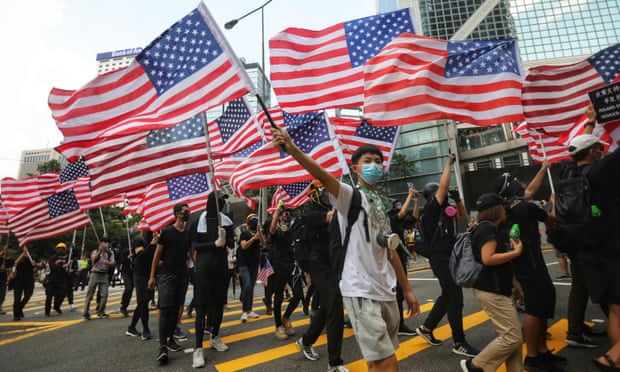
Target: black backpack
(338,248)
(572,209)
(424,245)
(299,241)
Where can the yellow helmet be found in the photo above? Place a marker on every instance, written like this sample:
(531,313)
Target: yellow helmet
(61,245)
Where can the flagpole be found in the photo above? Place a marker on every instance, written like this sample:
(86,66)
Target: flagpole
(457,163)
(93,226)
(102,222)
(263,195)
(542,147)
(71,251)
(211,169)
(128,237)
(83,242)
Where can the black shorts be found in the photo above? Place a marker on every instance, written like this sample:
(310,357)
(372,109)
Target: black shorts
(601,270)
(171,290)
(538,295)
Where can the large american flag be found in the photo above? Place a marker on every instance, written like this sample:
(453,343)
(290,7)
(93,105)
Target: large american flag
(294,195)
(161,197)
(125,163)
(554,97)
(83,194)
(353,133)
(313,70)
(19,194)
(224,168)
(186,70)
(73,171)
(417,78)
(235,130)
(56,215)
(271,166)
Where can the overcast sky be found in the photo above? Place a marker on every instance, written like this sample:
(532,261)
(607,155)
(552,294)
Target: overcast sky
(53,43)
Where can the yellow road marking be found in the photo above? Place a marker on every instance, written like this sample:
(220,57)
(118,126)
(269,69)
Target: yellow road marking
(52,327)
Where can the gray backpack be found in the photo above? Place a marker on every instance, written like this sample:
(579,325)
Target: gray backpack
(464,267)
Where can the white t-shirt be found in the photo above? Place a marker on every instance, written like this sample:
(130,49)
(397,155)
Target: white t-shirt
(367,271)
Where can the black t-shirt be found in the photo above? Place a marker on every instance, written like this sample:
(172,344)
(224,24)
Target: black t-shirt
(498,278)
(8,264)
(527,215)
(318,242)
(24,271)
(435,217)
(142,261)
(249,257)
(175,247)
(604,178)
(282,256)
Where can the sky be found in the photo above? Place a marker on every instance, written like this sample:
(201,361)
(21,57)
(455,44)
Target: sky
(53,43)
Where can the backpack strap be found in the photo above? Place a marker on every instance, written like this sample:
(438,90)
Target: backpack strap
(354,211)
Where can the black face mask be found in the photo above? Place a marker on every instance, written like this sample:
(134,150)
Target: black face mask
(186,216)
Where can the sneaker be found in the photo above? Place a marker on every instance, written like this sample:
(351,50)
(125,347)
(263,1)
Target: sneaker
(162,355)
(173,346)
(288,326)
(281,333)
(198,360)
(123,311)
(340,368)
(562,277)
(217,344)
(268,309)
(403,330)
(468,366)
(102,316)
(72,307)
(244,317)
(590,331)
(347,324)
(539,364)
(428,336)
(86,316)
(581,340)
(308,351)
(146,335)
(253,315)
(465,349)
(132,332)
(56,309)
(557,359)
(179,334)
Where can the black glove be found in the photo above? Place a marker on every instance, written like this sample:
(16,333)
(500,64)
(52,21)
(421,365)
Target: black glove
(454,194)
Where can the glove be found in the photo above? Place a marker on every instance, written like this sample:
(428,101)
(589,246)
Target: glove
(454,194)
(451,158)
(221,238)
(393,241)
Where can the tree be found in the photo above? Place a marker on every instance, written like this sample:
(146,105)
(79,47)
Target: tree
(49,166)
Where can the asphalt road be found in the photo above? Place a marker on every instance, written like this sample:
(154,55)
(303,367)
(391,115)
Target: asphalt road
(66,342)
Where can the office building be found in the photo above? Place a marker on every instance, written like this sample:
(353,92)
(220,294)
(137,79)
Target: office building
(31,159)
(110,61)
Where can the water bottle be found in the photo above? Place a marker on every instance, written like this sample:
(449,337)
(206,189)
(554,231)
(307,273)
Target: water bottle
(596,211)
(515,232)
(280,204)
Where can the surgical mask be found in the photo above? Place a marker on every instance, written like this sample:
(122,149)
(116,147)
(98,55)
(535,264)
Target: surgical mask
(186,216)
(371,173)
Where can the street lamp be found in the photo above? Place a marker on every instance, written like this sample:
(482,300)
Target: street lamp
(230,24)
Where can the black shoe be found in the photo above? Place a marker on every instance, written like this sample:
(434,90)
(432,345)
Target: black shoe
(581,340)
(132,332)
(403,330)
(123,310)
(468,366)
(102,316)
(539,364)
(347,324)
(173,346)
(428,336)
(162,355)
(146,335)
(57,309)
(86,316)
(16,318)
(593,331)
(557,359)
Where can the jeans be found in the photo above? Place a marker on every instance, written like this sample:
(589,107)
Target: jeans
(247,277)
(449,302)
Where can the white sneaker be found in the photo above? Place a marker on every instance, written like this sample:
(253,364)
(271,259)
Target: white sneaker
(244,317)
(337,369)
(72,307)
(199,359)
(253,315)
(217,344)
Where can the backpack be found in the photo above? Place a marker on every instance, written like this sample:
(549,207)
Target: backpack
(424,246)
(572,209)
(338,247)
(299,241)
(464,267)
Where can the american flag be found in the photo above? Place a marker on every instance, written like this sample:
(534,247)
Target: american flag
(4,220)
(56,215)
(265,272)
(294,195)
(161,197)
(276,115)
(83,194)
(126,163)
(270,166)
(73,171)
(132,200)
(224,168)
(555,97)
(186,70)
(235,130)
(18,194)
(313,70)
(353,133)
(417,78)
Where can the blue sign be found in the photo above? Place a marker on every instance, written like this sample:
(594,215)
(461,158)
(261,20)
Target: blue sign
(118,53)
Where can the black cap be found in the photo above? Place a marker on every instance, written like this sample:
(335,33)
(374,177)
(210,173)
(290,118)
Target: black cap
(488,200)
(178,207)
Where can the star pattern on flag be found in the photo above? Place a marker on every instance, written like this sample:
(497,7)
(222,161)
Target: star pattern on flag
(191,128)
(366,130)
(309,135)
(247,151)
(607,63)
(296,120)
(191,184)
(367,36)
(235,115)
(294,189)
(182,50)
(74,170)
(62,203)
(477,58)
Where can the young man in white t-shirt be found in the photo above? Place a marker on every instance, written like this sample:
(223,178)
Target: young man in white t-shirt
(370,271)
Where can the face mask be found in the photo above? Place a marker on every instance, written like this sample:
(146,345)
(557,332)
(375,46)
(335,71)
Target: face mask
(371,173)
(450,211)
(186,216)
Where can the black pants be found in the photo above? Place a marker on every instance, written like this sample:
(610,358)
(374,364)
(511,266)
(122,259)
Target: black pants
(330,314)
(55,289)
(280,278)
(210,293)
(449,302)
(142,307)
(128,291)
(21,296)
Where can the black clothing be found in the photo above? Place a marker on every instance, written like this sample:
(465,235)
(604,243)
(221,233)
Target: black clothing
(435,218)
(176,246)
(282,257)
(497,278)
(143,260)
(250,256)
(318,242)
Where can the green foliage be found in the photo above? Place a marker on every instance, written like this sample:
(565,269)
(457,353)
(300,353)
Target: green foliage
(49,166)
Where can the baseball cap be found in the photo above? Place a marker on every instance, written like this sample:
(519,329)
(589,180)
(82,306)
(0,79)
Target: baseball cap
(488,200)
(583,142)
(61,245)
